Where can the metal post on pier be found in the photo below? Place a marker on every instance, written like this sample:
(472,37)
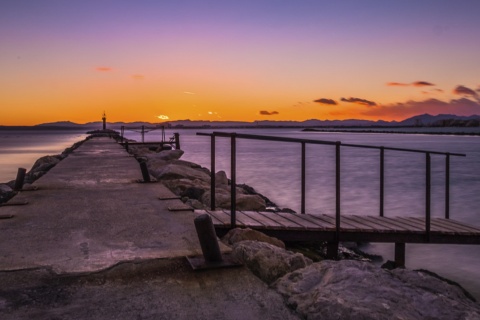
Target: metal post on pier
(233,180)
(143,134)
(428,191)
(177,140)
(382,180)
(337,189)
(122,131)
(20,179)
(212,172)
(302,210)
(447,186)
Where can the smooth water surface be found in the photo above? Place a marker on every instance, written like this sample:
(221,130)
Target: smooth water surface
(273,169)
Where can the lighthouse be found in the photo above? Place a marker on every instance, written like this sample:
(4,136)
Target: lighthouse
(104,118)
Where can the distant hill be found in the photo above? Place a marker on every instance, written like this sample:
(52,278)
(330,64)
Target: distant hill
(440,120)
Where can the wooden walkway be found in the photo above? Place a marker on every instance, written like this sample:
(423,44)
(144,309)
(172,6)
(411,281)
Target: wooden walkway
(308,227)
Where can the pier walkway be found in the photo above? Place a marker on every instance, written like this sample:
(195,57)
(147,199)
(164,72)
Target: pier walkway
(94,243)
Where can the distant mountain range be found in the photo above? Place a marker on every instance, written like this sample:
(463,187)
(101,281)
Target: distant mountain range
(424,120)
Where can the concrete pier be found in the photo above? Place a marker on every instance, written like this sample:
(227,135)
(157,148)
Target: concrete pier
(91,219)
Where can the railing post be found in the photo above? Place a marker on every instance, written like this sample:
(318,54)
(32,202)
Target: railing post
(143,134)
(19,179)
(212,172)
(447,186)
(427,194)
(177,140)
(337,189)
(382,180)
(122,131)
(302,210)
(233,180)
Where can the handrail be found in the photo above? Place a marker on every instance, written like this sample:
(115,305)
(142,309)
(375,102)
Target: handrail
(233,136)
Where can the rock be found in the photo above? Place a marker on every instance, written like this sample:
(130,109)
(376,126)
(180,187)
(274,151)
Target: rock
(350,289)
(221,179)
(241,234)
(195,204)
(174,171)
(179,186)
(44,164)
(5,188)
(193,193)
(268,261)
(244,202)
(167,155)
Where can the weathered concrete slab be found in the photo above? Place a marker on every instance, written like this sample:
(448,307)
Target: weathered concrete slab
(89,213)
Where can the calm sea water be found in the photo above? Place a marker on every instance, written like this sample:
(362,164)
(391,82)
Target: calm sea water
(20,149)
(273,169)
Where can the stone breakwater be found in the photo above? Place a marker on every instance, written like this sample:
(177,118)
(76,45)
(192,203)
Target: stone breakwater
(323,289)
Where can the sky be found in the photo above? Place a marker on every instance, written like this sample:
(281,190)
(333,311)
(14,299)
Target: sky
(152,60)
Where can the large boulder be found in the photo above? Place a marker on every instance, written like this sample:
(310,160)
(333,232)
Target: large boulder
(350,289)
(221,178)
(167,155)
(243,202)
(45,163)
(180,186)
(267,261)
(242,234)
(174,171)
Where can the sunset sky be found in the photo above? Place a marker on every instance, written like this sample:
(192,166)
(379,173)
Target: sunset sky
(237,60)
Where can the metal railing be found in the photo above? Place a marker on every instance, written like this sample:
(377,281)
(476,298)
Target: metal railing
(338,145)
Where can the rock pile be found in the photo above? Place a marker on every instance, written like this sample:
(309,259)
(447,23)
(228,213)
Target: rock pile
(191,182)
(350,289)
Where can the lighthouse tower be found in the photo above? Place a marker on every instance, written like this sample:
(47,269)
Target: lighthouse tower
(104,118)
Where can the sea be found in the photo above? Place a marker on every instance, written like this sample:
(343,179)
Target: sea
(274,169)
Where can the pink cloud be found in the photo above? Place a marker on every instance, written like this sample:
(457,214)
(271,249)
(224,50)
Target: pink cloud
(268,113)
(103,69)
(432,106)
(413,84)
(422,84)
(138,76)
(462,90)
(326,101)
(397,84)
(359,101)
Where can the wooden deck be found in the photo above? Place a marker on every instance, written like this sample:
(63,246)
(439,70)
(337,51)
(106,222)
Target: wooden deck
(308,227)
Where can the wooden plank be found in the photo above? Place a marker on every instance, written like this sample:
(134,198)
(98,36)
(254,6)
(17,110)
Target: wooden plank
(402,225)
(414,224)
(267,222)
(445,225)
(293,218)
(388,224)
(458,224)
(422,221)
(438,226)
(364,224)
(247,221)
(315,223)
(220,217)
(287,224)
(343,224)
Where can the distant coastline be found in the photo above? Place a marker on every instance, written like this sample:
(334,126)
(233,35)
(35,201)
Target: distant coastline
(400,131)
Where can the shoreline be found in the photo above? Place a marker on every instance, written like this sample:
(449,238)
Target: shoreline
(361,130)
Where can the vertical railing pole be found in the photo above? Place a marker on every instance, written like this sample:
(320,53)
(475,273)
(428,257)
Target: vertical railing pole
(382,180)
(447,186)
(212,172)
(302,210)
(233,183)
(143,134)
(122,130)
(427,193)
(177,140)
(337,189)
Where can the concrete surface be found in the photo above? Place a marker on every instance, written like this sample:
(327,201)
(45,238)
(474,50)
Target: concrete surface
(93,243)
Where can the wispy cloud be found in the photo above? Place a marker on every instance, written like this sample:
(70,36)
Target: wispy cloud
(325,101)
(422,84)
(268,113)
(103,69)
(359,101)
(163,117)
(188,92)
(397,84)
(464,91)
(413,84)
(138,76)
